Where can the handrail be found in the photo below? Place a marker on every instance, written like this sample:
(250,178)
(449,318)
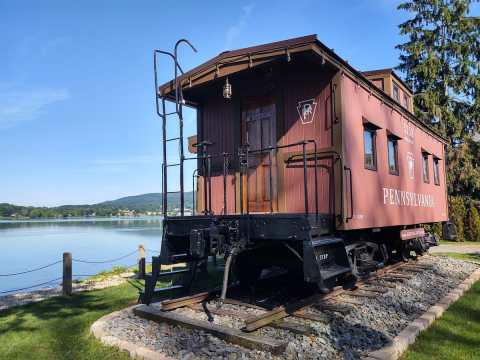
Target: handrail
(351,193)
(268,149)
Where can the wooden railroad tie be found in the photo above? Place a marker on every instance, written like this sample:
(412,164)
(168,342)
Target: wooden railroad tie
(378,284)
(373,290)
(400,275)
(413,269)
(232,335)
(351,301)
(280,312)
(302,314)
(361,293)
(279,324)
(183,301)
(393,279)
(339,308)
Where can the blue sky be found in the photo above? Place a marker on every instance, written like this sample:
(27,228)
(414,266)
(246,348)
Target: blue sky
(77,118)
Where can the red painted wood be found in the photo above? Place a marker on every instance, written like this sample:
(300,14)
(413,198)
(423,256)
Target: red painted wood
(381,199)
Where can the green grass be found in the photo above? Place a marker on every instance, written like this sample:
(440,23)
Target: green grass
(460,243)
(456,335)
(469,257)
(58,328)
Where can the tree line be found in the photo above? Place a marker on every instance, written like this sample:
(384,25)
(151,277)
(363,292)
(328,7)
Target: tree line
(441,62)
(9,211)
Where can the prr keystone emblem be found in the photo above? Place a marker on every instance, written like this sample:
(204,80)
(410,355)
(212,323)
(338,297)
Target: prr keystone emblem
(306,110)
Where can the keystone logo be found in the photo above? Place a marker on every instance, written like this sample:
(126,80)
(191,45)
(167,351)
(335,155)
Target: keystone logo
(306,110)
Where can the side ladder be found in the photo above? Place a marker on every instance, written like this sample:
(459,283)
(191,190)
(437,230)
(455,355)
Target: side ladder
(188,273)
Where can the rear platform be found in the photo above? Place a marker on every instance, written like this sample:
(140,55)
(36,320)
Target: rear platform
(301,244)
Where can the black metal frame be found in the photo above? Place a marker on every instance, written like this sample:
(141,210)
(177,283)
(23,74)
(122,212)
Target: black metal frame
(179,101)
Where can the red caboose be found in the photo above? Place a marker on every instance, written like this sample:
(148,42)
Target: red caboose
(303,162)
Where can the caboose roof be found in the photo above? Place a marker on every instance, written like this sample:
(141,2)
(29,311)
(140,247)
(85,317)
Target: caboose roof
(388,71)
(234,61)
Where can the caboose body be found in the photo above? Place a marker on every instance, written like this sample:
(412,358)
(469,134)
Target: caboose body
(303,163)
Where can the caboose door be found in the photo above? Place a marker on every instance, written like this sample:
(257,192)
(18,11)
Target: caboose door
(259,131)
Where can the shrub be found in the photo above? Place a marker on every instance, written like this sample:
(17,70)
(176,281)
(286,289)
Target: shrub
(472,223)
(436,229)
(458,214)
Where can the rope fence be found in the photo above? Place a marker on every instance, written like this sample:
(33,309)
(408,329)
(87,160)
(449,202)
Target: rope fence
(30,287)
(105,261)
(67,270)
(32,270)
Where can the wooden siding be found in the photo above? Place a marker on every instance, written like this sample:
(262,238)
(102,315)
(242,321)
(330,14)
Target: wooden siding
(380,198)
(304,85)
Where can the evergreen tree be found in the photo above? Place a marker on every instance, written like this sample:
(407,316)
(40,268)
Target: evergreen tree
(441,61)
(472,223)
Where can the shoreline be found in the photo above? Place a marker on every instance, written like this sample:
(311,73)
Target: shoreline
(78,219)
(89,284)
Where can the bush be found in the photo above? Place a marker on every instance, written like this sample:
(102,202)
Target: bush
(436,229)
(458,213)
(472,223)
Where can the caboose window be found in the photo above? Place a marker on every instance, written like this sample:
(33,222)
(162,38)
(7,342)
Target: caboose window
(436,171)
(426,177)
(392,155)
(369,136)
(396,92)
(405,101)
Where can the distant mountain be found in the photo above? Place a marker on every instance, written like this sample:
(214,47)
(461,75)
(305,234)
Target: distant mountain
(139,204)
(148,202)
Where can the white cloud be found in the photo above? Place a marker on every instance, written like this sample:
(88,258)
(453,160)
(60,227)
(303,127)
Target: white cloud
(235,30)
(18,104)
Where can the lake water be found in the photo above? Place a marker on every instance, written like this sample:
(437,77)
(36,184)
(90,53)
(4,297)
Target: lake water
(30,244)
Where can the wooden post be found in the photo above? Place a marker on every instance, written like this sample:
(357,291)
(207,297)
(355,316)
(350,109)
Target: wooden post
(67,274)
(141,262)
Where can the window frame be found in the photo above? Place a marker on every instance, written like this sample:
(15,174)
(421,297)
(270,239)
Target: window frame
(406,100)
(436,171)
(425,176)
(397,88)
(372,130)
(394,140)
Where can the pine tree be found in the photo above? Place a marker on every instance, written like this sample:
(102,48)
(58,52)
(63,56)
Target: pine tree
(441,61)
(472,223)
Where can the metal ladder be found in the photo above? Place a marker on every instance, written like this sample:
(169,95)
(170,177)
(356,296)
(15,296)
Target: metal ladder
(151,279)
(162,113)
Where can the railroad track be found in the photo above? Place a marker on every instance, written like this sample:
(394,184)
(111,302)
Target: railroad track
(312,308)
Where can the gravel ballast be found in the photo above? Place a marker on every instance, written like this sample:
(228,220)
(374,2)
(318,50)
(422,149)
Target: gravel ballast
(370,325)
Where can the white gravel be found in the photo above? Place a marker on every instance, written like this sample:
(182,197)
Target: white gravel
(367,327)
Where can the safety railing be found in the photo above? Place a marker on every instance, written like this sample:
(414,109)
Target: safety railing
(245,155)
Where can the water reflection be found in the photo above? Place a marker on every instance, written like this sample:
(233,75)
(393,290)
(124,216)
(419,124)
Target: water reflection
(27,244)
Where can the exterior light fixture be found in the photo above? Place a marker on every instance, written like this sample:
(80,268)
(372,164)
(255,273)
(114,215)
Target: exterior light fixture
(227,90)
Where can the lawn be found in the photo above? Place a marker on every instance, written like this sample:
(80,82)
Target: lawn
(58,328)
(460,243)
(473,257)
(456,335)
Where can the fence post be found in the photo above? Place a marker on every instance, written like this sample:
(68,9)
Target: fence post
(67,274)
(141,262)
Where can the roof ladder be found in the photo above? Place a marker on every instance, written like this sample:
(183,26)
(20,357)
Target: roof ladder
(162,113)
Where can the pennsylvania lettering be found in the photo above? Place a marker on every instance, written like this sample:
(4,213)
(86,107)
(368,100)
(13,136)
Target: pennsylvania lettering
(396,197)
